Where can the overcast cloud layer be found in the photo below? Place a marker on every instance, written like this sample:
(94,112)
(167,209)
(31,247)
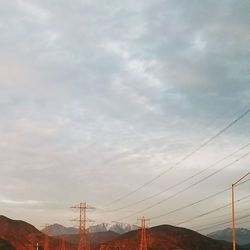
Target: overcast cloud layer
(99,97)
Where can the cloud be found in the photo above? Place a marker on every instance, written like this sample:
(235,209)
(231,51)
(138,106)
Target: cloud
(27,202)
(33,10)
(99,97)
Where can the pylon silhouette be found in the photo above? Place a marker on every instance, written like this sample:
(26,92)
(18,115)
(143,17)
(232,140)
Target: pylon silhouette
(143,237)
(84,241)
(46,237)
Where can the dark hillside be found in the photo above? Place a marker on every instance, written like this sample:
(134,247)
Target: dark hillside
(23,235)
(167,237)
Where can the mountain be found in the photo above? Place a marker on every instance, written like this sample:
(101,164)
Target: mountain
(19,233)
(246,247)
(116,227)
(120,228)
(57,229)
(242,235)
(22,235)
(166,237)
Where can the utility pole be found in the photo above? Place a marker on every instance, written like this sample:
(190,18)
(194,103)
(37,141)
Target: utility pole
(233,210)
(84,241)
(143,238)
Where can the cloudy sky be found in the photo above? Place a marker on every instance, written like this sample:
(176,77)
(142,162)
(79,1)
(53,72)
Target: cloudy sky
(98,98)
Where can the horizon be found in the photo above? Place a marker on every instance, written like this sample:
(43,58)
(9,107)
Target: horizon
(138,109)
(49,226)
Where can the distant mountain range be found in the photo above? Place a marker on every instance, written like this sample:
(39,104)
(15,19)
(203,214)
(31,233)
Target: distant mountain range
(242,235)
(116,227)
(119,228)
(57,229)
(20,235)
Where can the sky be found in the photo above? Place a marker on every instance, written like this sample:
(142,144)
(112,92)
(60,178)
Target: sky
(98,98)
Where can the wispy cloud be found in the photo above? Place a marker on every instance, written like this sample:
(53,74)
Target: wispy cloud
(97,98)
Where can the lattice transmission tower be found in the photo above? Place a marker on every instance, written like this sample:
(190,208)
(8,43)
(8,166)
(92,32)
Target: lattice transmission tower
(46,237)
(143,236)
(84,241)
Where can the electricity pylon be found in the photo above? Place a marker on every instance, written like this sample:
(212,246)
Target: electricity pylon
(46,237)
(143,238)
(84,242)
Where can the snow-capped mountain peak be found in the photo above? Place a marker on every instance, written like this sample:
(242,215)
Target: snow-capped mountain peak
(114,226)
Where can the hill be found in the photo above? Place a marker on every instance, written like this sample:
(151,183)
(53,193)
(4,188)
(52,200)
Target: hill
(57,229)
(95,238)
(5,245)
(167,237)
(19,233)
(246,247)
(22,235)
(243,235)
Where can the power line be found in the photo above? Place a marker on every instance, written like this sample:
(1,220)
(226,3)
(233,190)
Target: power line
(194,203)
(225,216)
(190,205)
(222,223)
(184,158)
(183,181)
(212,211)
(244,222)
(187,188)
